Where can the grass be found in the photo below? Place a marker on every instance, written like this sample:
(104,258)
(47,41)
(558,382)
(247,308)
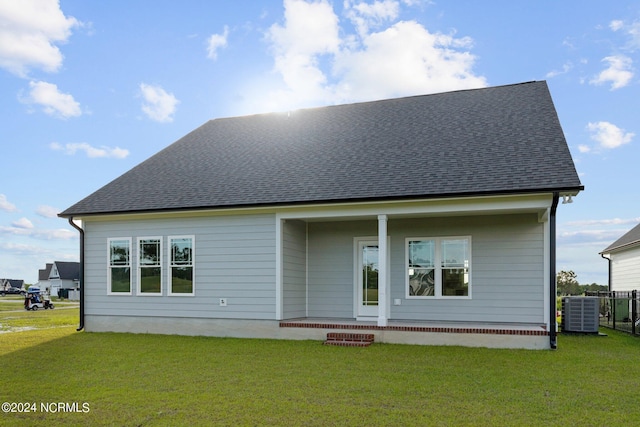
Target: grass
(13,317)
(149,380)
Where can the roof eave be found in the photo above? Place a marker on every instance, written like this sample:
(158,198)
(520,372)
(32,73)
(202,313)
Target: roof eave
(620,248)
(569,191)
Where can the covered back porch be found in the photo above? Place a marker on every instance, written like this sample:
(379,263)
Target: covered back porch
(351,269)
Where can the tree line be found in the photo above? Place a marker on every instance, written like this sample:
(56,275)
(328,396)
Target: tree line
(567,284)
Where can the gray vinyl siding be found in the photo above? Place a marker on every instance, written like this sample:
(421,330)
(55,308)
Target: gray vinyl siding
(331,266)
(234,259)
(507,268)
(294,276)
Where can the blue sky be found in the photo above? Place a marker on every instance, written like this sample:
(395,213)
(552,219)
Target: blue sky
(91,88)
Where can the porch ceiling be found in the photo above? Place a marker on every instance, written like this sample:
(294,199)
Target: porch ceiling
(537,204)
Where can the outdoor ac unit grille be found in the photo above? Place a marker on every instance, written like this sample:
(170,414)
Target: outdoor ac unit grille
(580,314)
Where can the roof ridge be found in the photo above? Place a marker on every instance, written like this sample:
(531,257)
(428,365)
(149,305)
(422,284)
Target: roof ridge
(372,101)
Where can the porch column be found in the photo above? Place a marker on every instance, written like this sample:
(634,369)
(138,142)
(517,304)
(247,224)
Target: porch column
(279,268)
(383,268)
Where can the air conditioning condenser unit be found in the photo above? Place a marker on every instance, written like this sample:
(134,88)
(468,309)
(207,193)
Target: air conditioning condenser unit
(580,314)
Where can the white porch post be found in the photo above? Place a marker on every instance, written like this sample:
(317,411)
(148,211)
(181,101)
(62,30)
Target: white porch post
(383,284)
(279,268)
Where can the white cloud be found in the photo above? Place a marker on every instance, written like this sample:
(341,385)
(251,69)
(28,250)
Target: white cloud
(634,33)
(608,135)
(5,205)
(92,152)
(619,72)
(319,62)
(584,148)
(310,30)
(366,15)
(616,25)
(158,105)
(23,223)
(565,69)
(54,102)
(590,236)
(41,234)
(47,211)
(23,249)
(610,221)
(29,32)
(416,2)
(215,42)
(631,30)
(407,59)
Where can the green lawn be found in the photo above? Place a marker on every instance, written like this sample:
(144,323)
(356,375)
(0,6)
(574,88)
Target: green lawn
(148,380)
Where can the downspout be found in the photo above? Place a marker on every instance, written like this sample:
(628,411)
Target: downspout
(553,342)
(81,326)
(609,275)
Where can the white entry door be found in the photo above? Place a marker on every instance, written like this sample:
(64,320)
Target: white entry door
(367,278)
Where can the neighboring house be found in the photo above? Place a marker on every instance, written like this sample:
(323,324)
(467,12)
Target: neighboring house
(427,220)
(17,283)
(43,278)
(624,261)
(8,284)
(60,277)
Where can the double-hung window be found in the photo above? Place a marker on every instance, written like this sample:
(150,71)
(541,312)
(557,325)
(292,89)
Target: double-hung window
(438,267)
(119,272)
(150,266)
(181,265)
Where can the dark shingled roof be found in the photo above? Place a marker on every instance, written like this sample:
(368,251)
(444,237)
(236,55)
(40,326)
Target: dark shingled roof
(631,238)
(495,140)
(68,270)
(45,273)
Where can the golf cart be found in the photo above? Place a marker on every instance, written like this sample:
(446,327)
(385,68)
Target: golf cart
(34,300)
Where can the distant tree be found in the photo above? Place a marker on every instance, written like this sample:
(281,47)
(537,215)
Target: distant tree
(567,283)
(595,287)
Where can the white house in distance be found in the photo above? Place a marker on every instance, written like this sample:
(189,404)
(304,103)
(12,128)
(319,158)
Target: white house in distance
(624,261)
(424,220)
(59,275)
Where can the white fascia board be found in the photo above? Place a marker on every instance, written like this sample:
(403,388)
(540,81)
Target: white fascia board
(538,203)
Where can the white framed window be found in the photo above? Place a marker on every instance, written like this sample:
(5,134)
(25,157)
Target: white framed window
(181,265)
(150,266)
(119,266)
(438,267)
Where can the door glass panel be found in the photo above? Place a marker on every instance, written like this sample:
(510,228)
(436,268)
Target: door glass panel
(370,275)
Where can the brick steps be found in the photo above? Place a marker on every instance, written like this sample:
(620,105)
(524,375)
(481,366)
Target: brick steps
(345,339)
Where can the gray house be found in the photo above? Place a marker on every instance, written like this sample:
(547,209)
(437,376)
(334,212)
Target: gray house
(425,220)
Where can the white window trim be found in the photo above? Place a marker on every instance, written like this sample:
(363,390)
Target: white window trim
(437,294)
(170,265)
(139,269)
(109,266)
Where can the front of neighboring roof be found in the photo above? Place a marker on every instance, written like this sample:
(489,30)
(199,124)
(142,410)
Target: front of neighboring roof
(628,240)
(495,140)
(45,273)
(68,270)
(17,283)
